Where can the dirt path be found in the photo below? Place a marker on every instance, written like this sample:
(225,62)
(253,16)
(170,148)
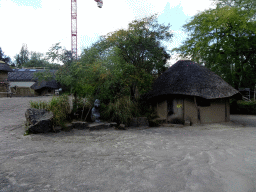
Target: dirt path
(216,157)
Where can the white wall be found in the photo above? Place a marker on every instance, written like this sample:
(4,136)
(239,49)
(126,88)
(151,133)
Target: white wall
(21,84)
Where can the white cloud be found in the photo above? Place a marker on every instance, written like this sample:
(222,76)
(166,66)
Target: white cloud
(50,23)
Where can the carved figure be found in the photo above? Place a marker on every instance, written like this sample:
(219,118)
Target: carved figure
(95,111)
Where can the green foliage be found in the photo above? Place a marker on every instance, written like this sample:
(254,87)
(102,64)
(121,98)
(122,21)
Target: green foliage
(44,76)
(4,57)
(58,54)
(58,105)
(60,108)
(39,105)
(242,107)
(120,65)
(224,40)
(23,56)
(121,111)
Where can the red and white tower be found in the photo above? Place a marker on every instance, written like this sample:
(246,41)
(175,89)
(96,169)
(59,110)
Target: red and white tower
(74,25)
(74,28)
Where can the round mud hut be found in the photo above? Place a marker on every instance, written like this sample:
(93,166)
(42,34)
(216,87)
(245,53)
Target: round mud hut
(191,93)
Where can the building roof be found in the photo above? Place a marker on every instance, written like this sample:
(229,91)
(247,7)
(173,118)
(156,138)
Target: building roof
(5,67)
(189,78)
(45,84)
(25,74)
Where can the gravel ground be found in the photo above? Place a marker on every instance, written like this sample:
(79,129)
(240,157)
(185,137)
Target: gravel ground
(204,158)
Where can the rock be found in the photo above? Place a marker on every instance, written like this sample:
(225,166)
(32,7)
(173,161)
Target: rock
(67,127)
(113,124)
(38,120)
(139,121)
(187,123)
(134,122)
(172,125)
(142,121)
(79,124)
(97,126)
(121,126)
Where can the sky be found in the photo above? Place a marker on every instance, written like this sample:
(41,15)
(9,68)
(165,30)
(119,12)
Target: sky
(43,23)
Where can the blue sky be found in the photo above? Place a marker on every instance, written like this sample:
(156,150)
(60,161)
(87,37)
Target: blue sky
(42,23)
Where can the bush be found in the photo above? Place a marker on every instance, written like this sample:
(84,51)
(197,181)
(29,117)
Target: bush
(39,105)
(58,105)
(242,107)
(121,111)
(82,106)
(60,108)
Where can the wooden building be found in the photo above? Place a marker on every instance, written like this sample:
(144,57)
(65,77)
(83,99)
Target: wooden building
(4,84)
(23,82)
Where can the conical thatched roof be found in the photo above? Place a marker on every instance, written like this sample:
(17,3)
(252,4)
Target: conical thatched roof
(5,67)
(188,78)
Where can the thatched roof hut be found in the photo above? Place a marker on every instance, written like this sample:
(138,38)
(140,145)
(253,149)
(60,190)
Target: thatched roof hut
(189,91)
(189,78)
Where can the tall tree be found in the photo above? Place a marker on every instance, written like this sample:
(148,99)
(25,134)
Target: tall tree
(141,50)
(4,57)
(23,56)
(57,53)
(224,40)
(120,63)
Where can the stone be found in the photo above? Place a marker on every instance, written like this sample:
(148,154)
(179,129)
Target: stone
(97,126)
(79,124)
(142,121)
(139,121)
(95,116)
(113,124)
(121,127)
(38,120)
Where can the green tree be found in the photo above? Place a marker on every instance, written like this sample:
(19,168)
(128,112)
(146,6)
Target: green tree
(120,64)
(38,60)
(4,57)
(140,52)
(224,40)
(58,54)
(23,56)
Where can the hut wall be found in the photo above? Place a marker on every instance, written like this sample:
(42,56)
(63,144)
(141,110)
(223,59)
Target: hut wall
(227,110)
(190,110)
(175,106)
(215,113)
(162,109)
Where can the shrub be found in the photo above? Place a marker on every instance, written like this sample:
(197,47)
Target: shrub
(121,111)
(60,108)
(242,107)
(58,105)
(39,105)
(82,106)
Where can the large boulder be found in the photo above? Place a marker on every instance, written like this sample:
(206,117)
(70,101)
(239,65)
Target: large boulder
(38,120)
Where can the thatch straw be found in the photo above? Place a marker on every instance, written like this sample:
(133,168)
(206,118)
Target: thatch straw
(189,78)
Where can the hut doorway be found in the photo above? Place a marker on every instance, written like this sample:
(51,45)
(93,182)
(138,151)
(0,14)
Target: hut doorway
(175,111)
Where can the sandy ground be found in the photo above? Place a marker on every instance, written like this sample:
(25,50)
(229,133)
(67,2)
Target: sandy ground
(205,158)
